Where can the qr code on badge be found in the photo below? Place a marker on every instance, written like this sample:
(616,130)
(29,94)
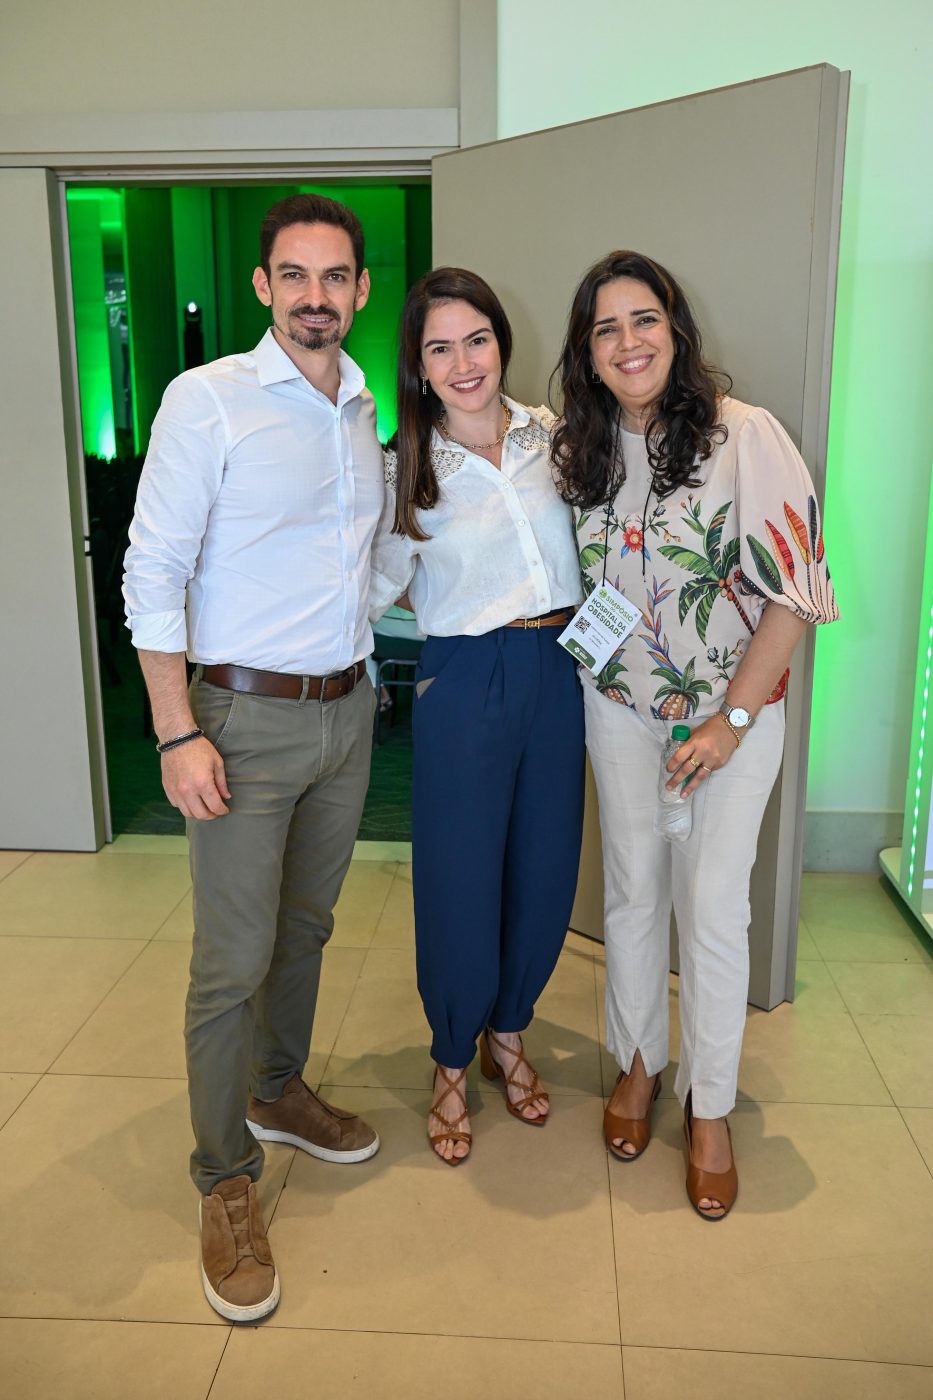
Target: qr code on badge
(582,624)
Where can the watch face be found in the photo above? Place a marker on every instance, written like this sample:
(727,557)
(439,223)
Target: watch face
(739,717)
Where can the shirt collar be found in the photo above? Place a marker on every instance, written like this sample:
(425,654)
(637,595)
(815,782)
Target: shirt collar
(273,366)
(521,417)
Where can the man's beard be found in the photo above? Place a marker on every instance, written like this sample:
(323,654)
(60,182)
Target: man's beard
(311,337)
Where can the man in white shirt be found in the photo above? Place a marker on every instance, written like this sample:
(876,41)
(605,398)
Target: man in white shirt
(257,507)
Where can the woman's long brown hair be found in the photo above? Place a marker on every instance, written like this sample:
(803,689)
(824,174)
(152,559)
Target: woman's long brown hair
(685,422)
(417,486)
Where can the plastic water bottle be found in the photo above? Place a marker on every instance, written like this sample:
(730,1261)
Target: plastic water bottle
(673,818)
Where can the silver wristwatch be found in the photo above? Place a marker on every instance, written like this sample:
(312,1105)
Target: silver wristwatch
(738,720)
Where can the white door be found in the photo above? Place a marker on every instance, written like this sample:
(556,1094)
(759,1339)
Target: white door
(738,192)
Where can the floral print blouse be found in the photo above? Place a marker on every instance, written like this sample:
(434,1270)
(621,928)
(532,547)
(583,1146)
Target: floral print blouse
(702,563)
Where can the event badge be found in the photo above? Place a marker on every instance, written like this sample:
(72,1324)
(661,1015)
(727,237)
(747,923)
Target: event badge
(600,627)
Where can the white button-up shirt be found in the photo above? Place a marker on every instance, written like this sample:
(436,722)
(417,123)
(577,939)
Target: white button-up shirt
(259,500)
(502,542)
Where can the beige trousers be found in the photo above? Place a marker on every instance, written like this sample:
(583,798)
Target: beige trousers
(266,878)
(706,878)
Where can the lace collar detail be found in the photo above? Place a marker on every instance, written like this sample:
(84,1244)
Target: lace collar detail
(446,461)
(532,436)
(535,435)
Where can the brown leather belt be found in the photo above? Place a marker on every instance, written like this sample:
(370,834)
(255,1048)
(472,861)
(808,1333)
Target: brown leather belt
(283,686)
(552,619)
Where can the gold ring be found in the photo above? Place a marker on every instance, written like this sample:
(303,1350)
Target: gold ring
(694,764)
(706,770)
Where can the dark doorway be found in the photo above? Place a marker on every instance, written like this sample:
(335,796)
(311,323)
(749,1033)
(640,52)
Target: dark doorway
(161,282)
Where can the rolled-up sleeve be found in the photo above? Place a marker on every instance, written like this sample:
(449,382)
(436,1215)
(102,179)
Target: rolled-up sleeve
(179,484)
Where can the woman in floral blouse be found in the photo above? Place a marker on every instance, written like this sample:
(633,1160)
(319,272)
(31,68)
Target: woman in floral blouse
(700,510)
(477,536)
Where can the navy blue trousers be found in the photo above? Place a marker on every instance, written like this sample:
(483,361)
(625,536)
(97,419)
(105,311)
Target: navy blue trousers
(497,816)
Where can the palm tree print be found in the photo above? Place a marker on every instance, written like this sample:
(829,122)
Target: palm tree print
(595,550)
(680,695)
(715,570)
(608,681)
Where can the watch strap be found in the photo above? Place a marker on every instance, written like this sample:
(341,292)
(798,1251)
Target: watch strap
(727,711)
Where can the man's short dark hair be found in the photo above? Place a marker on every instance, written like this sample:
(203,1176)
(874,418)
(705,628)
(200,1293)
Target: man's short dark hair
(309,209)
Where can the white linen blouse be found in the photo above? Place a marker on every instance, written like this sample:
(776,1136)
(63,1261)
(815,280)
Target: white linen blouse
(502,543)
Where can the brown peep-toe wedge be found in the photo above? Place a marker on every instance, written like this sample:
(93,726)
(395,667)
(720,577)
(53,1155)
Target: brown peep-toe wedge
(637,1131)
(713,1186)
(491,1069)
(452,1130)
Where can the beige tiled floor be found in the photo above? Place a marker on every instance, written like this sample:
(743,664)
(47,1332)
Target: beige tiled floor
(540,1269)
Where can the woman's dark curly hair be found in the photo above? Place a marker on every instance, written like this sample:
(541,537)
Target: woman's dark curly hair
(684,423)
(418,405)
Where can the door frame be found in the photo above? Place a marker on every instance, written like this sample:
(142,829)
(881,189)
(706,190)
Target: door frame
(235,172)
(213,147)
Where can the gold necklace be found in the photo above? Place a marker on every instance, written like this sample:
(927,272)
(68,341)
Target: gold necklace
(475,446)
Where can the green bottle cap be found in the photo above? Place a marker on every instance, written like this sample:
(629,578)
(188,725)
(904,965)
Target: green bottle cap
(681,732)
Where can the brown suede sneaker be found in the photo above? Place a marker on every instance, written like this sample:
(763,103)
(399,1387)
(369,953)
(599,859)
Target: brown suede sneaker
(303,1120)
(239,1277)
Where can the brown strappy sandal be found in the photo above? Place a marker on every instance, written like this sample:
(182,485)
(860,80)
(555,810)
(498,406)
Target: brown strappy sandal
(452,1131)
(493,1070)
(712,1186)
(637,1131)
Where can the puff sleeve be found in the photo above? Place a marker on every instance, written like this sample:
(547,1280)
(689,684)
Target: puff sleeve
(781,554)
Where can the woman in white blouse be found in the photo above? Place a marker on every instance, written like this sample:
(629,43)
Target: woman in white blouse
(476,533)
(699,509)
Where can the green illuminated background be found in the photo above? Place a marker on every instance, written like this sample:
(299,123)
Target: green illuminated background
(910,866)
(139,254)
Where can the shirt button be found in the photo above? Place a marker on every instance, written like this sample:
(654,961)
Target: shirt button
(521,522)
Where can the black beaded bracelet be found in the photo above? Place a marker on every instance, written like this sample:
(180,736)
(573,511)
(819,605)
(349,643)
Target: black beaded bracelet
(179,740)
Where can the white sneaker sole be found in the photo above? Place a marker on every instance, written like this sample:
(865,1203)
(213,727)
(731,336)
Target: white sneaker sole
(324,1154)
(230,1311)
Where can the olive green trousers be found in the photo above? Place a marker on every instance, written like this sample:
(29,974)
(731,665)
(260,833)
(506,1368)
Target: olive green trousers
(266,878)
